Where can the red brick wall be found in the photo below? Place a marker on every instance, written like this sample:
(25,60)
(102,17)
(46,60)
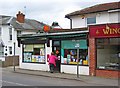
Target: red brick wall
(108,73)
(92,57)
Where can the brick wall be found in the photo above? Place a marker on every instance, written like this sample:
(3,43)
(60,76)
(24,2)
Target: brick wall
(92,56)
(108,73)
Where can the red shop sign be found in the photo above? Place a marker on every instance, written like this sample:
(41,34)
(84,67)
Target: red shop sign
(105,30)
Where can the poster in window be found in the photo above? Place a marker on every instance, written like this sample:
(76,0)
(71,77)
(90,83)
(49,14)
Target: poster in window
(34,57)
(27,57)
(38,58)
(42,52)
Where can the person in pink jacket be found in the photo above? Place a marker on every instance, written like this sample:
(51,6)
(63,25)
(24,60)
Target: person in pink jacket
(52,62)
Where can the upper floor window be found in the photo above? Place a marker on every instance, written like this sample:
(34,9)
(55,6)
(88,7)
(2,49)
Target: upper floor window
(91,20)
(0,31)
(10,33)
(10,50)
(1,51)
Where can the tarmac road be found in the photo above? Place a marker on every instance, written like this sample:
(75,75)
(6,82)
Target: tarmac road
(17,79)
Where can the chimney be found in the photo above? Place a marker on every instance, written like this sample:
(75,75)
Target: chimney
(20,17)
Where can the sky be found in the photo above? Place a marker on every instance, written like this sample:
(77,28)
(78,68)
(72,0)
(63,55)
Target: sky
(47,11)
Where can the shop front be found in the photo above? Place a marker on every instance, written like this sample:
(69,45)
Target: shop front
(67,47)
(36,49)
(33,53)
(104,43)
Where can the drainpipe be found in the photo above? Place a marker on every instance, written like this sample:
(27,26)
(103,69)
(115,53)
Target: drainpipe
(70,23)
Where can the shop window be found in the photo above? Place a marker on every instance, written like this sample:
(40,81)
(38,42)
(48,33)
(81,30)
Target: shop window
(56,43)
(70,56)
(104,41)
(69,52)
(34,53)
(115,41)
(108,54)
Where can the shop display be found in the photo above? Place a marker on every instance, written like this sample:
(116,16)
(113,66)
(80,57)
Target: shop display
(37,53)
(70,56)
(27,57)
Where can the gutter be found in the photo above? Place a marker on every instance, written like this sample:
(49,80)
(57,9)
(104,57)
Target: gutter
(51,34)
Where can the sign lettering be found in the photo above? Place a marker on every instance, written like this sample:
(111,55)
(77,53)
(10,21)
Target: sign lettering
(106,30)
(109,30)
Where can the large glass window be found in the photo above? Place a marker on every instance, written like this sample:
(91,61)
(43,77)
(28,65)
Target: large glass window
(34,53)
(69,52)
(108,51)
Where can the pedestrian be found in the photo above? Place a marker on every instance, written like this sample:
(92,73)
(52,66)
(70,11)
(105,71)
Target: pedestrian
(52,62)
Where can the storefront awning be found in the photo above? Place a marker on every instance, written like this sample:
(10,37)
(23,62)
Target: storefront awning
(68,36)
(43,37)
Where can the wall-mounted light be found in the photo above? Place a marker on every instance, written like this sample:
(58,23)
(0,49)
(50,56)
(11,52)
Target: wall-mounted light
(82,16)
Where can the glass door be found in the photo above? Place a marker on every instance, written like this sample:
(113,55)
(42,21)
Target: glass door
(56,49)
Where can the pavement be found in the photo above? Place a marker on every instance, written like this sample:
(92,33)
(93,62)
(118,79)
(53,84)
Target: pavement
(88,79)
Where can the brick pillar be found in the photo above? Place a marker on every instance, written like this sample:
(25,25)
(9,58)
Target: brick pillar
(92,57)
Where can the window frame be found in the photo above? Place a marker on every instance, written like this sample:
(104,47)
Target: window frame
(10,50)
(10,33)
(102,47)
(1,51)
(0,31)
(32,53)
(93,20)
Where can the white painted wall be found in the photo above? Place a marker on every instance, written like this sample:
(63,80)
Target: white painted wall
(8,42)
(114,17)
(101,18)
(72,69)
(34,66)
(78,22)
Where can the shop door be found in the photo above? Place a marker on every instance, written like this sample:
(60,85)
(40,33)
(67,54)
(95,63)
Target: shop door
(56,49)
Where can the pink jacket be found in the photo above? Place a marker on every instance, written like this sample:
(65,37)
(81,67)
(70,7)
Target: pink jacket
(52,59)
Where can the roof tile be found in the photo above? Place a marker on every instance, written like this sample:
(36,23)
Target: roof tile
(96,8)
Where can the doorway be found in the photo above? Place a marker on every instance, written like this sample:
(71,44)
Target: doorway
(56,48)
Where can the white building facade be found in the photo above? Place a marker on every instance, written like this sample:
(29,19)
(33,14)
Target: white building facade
(10,28)
(111,16)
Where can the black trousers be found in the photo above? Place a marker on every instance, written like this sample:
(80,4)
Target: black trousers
(51,68)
